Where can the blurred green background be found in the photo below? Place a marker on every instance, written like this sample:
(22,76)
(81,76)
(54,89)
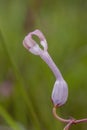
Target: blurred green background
(26,82)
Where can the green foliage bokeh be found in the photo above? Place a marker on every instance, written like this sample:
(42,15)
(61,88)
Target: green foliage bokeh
(26,82)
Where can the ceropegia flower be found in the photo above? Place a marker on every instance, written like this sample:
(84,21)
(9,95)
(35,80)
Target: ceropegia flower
(31,44)
(59,93)
(60,90)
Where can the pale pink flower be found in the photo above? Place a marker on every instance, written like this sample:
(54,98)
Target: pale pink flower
(32,45)
(60,89)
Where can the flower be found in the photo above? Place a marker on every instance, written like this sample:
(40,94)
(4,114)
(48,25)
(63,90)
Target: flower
(60,89)
(31,44)
(59,93)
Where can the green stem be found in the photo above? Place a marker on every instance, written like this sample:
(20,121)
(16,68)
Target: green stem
(9,119)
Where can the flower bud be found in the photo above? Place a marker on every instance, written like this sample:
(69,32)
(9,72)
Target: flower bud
(59,93)
(32,46)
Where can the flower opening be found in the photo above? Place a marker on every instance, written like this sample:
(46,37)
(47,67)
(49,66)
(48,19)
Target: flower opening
(32,45)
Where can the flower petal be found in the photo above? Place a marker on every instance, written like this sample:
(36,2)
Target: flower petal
(32,45)
(59,93)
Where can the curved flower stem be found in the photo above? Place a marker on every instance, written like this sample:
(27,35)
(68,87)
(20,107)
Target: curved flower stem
(68,121)
(59,118)
(81,121)
(68,125)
